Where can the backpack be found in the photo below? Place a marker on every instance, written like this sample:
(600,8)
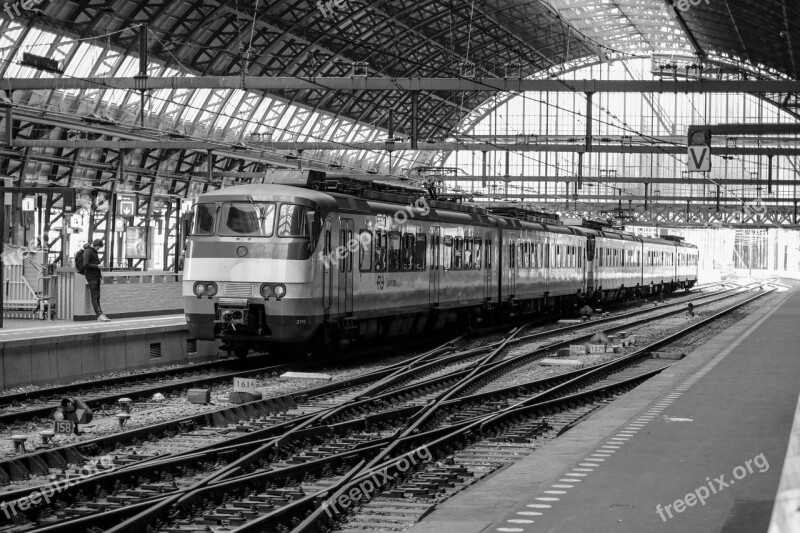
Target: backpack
(79,266)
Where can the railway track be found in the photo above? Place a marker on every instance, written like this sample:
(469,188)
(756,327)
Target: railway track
(276,451)
(46,457)
(274,410)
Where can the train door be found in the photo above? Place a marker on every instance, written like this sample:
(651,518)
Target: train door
(589,263)
(435,272)
(327,269)
(487,267)
(345,266)
(512,267)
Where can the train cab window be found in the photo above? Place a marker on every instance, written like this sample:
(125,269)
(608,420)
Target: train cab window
(251,219)
(458,253)
(409,247)
(203,223)
(478,250)
(393,253)
(365,251)
(419,253)
(380,244)
(292,221)
(526,256)
(468,251)
(447,253)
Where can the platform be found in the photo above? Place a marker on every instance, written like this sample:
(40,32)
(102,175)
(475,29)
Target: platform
(719,419)
(61,351)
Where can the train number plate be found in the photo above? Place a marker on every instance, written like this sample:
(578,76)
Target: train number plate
(63,427)
(244,385)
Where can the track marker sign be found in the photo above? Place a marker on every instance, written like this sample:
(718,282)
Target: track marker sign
(245,385)
(699,159)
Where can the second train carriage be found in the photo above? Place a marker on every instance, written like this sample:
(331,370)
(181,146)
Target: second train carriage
(282,265)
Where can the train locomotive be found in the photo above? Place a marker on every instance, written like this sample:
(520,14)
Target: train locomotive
(276,266)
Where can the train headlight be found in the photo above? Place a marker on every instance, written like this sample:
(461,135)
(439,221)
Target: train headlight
(199,288)
(211,288)
(266,290)
(280,291)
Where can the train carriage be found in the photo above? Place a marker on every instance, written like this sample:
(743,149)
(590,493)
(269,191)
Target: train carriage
(277,265)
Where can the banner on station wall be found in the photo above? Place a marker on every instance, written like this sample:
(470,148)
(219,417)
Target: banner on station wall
(137,240)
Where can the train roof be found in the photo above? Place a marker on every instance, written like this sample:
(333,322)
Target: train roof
(269,191)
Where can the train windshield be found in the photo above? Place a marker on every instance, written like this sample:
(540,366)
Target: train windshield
(203,223)
(292,221)
(253,219)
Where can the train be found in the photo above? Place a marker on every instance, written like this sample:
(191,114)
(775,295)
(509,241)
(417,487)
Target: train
(277,266)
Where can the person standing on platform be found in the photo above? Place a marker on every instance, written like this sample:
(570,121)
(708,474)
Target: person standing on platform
(91,267)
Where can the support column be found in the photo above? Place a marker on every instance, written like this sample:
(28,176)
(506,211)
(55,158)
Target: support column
(769,174)
(484,155)
(414,119)
(589,121)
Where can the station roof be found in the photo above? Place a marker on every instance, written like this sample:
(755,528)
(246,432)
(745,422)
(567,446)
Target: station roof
(404,38)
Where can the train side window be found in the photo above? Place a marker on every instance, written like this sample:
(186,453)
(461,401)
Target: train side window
(419,254)
(489,253)
(547,255)
(394,251)
(447,253)
(364,251)
(477,254)
(458,253)
(526,257)
(511,253)
(436,242)
(380,251)
(468,251)
(408,248)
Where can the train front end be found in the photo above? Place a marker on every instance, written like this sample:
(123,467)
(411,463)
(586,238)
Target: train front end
(249,273)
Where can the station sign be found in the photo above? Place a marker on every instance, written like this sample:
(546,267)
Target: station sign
(29,203)
(699,159)
(126,206)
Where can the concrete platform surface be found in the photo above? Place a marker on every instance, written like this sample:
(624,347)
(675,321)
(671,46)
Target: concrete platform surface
(16,329)
(55,352)
(698,448)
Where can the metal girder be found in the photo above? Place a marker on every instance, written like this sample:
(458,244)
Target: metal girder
(744,128)
(423,146)
(676,215)
(601,180)
(406,84)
